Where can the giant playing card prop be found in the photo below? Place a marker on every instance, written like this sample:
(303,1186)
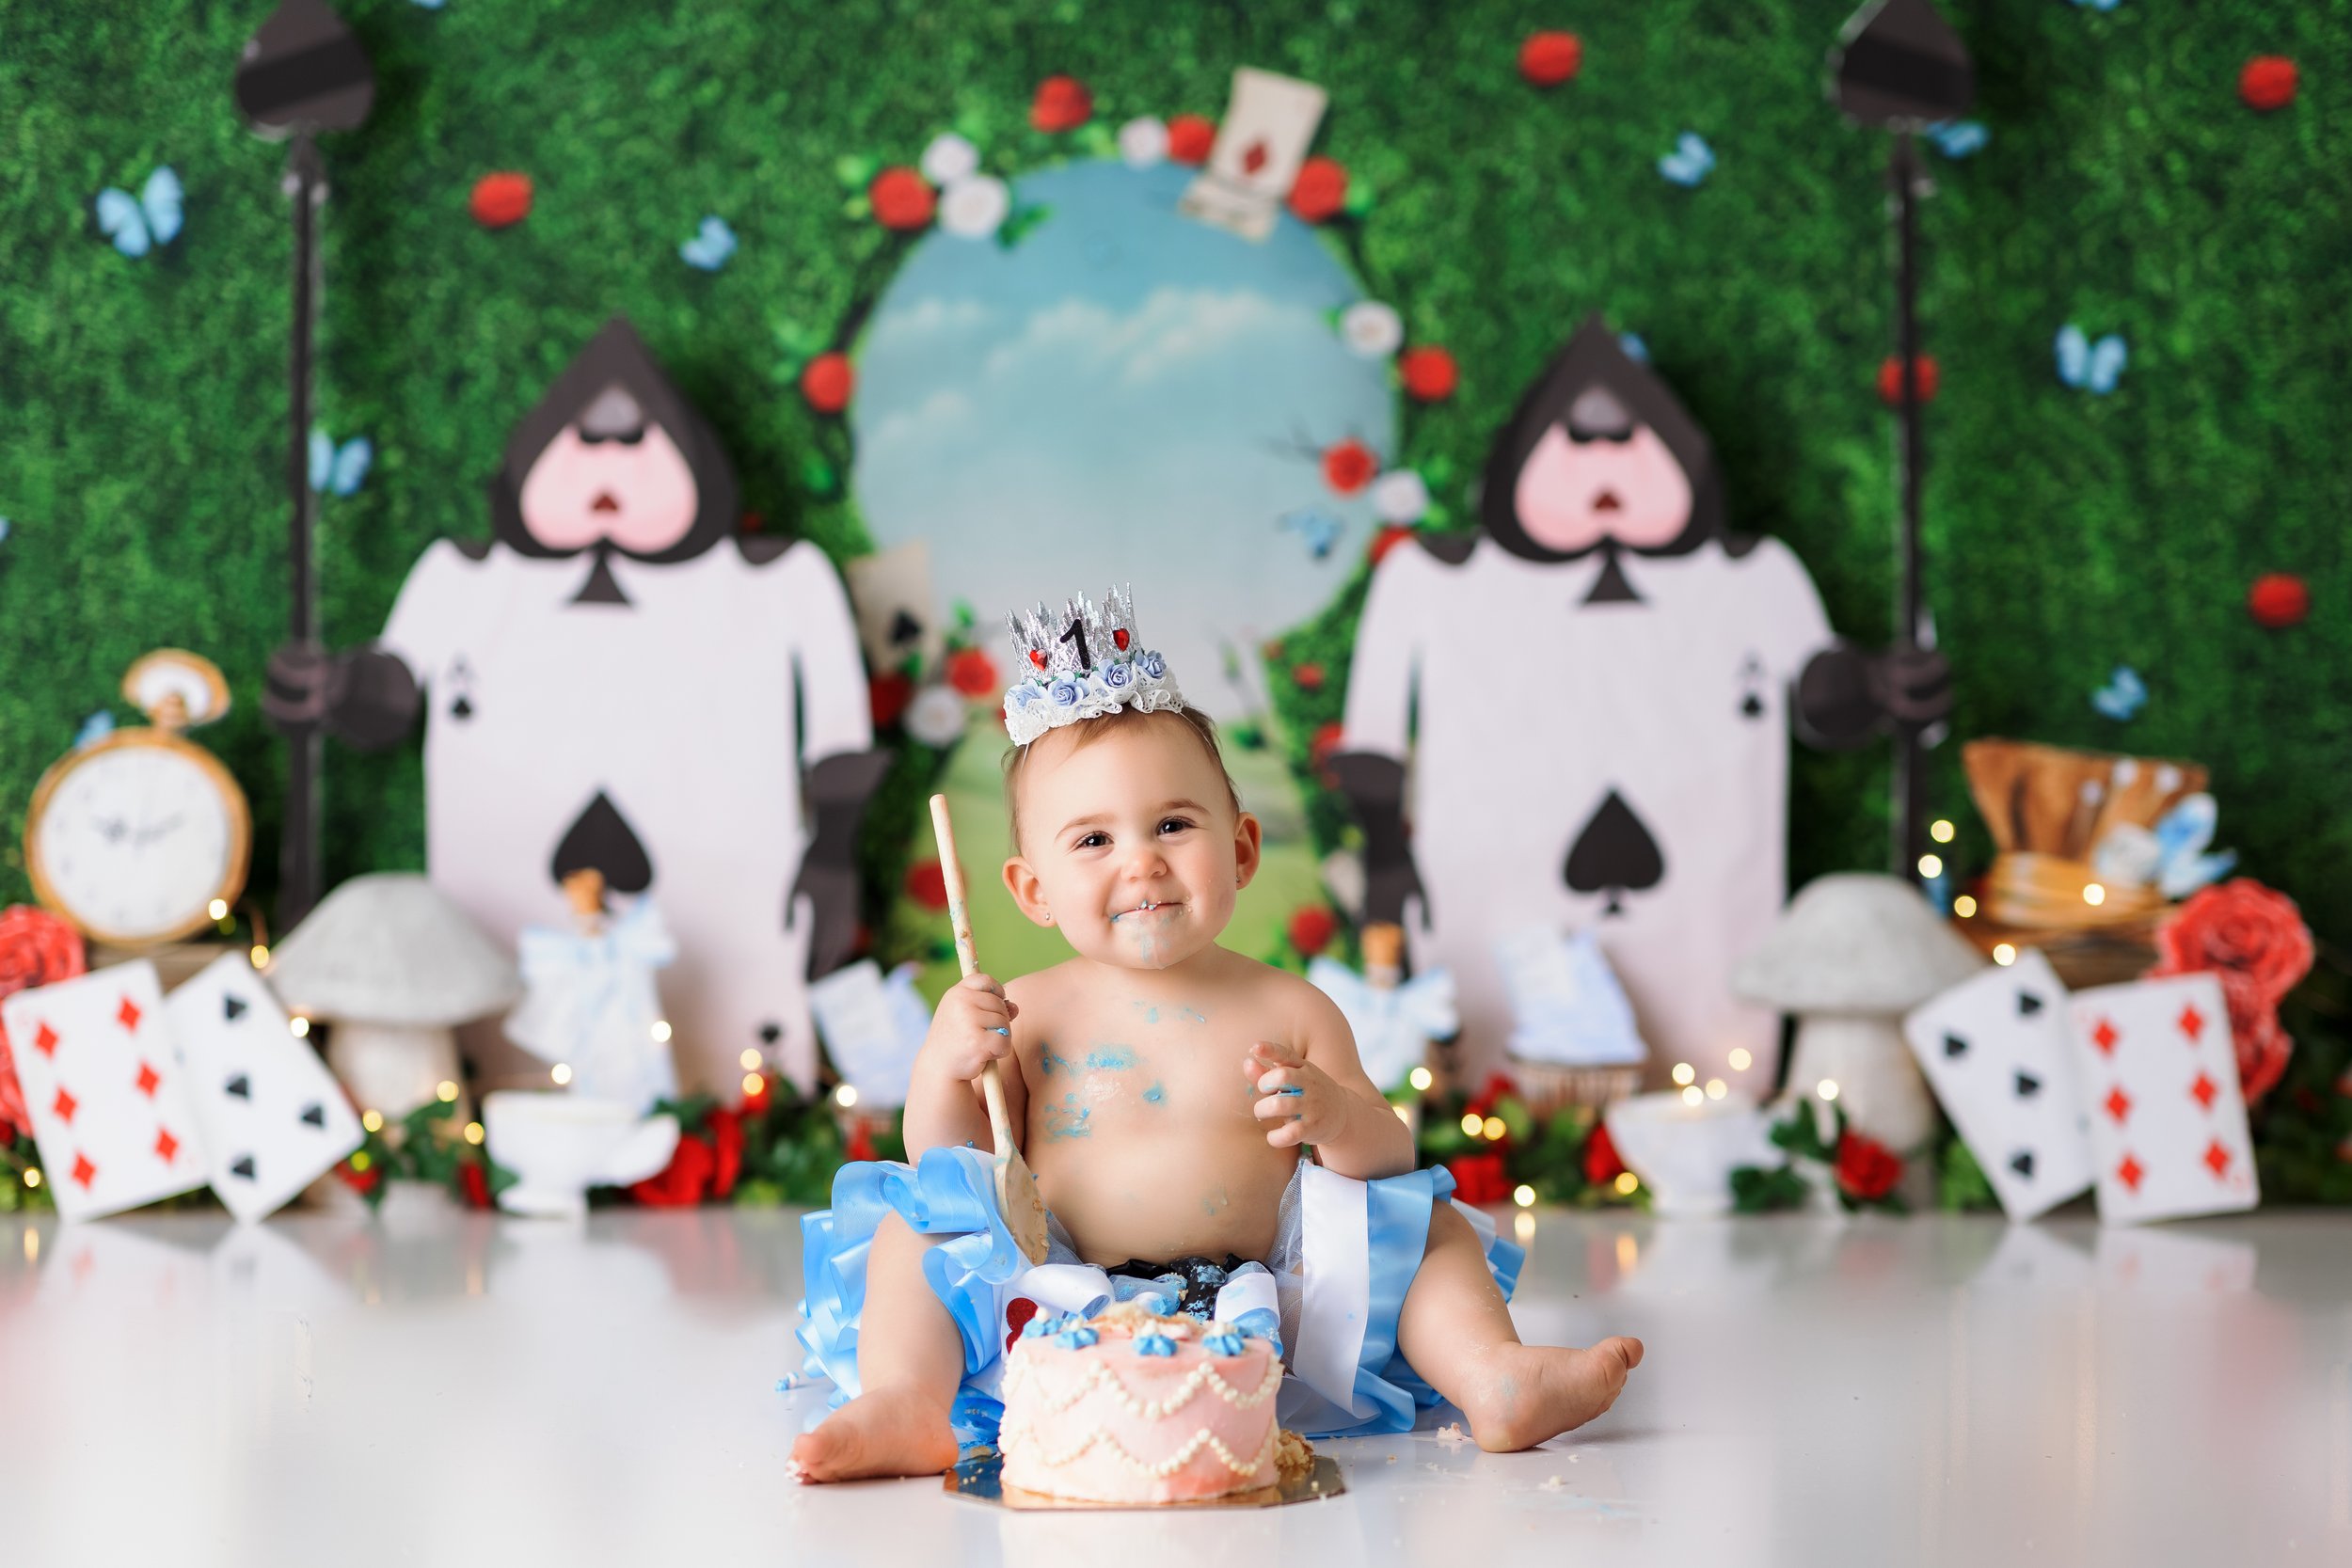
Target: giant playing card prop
(112,1115)
(2159,1079)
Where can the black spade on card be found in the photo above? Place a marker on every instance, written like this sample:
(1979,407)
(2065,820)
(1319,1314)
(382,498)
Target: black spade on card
(2028,1085)
(600,839)
(2028,1003)
(1614,855)
(461,708)
(232,1007)
(904,629)
(2022,1162)
(771,1033)
(1751,706)
(1954,1048)
(242,1166)
(314,1114)
(240,1085)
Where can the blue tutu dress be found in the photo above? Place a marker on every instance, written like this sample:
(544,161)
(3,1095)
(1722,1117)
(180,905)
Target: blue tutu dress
(1329,1296)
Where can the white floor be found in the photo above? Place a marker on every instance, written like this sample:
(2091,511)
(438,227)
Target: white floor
(444,1388)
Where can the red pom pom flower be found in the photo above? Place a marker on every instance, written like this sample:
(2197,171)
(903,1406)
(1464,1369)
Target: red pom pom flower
(902,200)
(827,381)
(2278,600)
(1190,139)
(2267,83)
(1319,190)
(1429,375)
(1062,104)
(1349,466)
(1891,380)
(1311,928)
(499,200)
(1548,59)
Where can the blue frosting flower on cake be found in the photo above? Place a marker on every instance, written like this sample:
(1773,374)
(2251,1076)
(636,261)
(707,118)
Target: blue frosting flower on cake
(1153,1342)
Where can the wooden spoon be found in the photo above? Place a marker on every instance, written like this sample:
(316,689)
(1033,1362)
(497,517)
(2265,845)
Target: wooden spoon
(1016,1189)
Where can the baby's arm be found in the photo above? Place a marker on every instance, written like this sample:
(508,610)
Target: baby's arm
(1317,1092)
(944,1109)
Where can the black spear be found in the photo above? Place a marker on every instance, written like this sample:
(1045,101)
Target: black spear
(1899,66)
(302,74)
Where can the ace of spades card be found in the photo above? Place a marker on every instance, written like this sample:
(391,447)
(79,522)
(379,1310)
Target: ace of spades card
(274,1120)
(1995,1049)
(2159,1080)
(111,1110)
(1260,146)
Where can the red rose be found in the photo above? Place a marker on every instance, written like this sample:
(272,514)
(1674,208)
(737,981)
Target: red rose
(1479,1177)
(1891,380)
(2267,82)
(1319,190)
(1349,466)
(1866,1169)
(1548,59)
(682,1183)
(2278,600)
(1190,139)
(1429,375)
(902,200)
(1601,1165)
(499,200)
(1062,104)
(2256,941)
(861,1141)
(360,1181)
(927,884)
(1498,1085)
(1311,928)
(36,948)
(725,1127)
(1388,538)
(973,672)
(474,1184)
(827,382)
(886,697)
(1325,742)
(1309,676)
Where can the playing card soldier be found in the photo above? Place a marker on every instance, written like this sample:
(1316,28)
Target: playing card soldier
(617,680)
(1591,695)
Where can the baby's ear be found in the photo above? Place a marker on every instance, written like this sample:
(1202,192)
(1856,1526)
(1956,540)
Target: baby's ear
(1027,892)
(1249,849)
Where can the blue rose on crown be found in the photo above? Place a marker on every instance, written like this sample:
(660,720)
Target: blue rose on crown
(1082,663)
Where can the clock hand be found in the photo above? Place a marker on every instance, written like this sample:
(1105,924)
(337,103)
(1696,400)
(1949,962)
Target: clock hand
(160,829)
(113,830)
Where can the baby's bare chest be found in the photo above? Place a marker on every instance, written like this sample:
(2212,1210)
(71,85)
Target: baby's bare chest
(1139,1068)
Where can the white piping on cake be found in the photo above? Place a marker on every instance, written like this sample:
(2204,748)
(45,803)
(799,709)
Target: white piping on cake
(1103,1377)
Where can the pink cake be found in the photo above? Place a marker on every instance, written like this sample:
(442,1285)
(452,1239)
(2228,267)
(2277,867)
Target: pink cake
(1133,1407)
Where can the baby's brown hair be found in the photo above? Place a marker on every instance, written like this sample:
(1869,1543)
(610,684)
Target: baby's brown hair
(1085,732)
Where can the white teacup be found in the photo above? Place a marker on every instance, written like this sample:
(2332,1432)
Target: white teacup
(560,1145)
(1685,1154)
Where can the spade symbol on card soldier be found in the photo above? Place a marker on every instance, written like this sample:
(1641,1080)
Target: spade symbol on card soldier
(1614,855)
(600,839)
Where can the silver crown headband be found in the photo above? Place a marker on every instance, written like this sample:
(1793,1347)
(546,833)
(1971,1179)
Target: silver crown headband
(1082,663)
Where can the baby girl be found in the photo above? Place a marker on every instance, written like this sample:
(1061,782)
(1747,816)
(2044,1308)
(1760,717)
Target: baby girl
(1166,1089)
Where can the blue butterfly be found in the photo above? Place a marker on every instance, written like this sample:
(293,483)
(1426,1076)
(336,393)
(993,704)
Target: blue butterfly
(1689,162)
(2097,5)
(428,5)
(1634,348)
(340,469)
(152,219)
(710,246)
(1958,138)
(2124,695)
(2091,367)
(1320,530)
(2182,837)
(97,727)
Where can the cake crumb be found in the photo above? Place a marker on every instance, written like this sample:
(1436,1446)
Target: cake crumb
(1293,1458)
(1452,1434)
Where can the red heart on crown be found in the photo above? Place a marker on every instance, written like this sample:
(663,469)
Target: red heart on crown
(1037,658)
(1118,636)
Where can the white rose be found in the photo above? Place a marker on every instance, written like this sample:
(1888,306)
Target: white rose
(936,717)
(1400,497)
(1371,330)
(974,207)
(1143,142)
(948,159)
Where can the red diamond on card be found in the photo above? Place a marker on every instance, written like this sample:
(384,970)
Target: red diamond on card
(83,1172)
(128,1014)
(2217,1157)
(65,1105)
(2105,1038)
(2203,1090)
(2118,1104)
(2192,1023)
(146,1081)
(2129,1173)
(1254,159)
(46,1042)
(166,1146)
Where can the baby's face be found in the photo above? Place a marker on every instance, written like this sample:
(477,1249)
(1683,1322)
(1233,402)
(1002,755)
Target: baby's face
(1130,846)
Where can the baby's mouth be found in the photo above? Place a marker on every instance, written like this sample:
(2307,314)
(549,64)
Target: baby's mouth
(1149,906)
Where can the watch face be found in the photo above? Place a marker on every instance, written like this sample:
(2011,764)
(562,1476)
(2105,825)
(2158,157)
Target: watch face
(136,842)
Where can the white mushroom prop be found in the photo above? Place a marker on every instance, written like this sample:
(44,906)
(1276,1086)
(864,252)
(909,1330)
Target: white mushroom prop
(1849,955)
(391,964)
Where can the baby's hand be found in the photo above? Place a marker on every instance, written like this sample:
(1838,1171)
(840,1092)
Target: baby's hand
(1302,1105)
(972,1028)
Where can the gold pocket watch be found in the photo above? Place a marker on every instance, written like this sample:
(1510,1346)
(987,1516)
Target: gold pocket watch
(141,836)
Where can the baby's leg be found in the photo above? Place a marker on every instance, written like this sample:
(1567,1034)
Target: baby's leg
(1456,1332)
(909,1360)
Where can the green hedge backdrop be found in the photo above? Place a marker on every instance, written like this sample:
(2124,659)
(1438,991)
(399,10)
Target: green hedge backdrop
(2124,187)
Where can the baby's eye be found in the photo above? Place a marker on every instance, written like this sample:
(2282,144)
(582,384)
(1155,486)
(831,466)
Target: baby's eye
(1173,825)
(1093,841)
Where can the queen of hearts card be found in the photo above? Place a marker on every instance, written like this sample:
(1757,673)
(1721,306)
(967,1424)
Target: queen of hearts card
(1591,697)
(618,681)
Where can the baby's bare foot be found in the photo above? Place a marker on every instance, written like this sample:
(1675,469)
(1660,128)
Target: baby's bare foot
(883,1432)
(1533,1392)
